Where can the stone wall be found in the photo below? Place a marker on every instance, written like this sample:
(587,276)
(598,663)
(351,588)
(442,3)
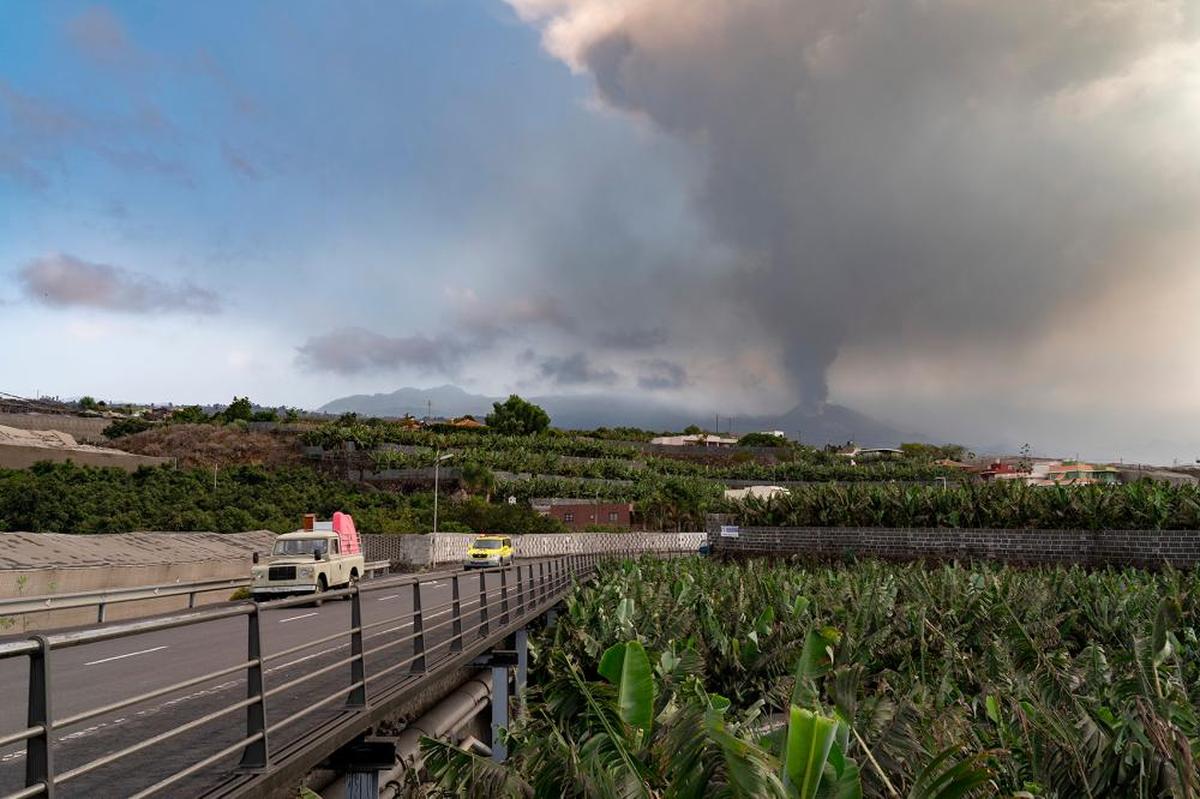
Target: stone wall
(425,550)
(1143,548)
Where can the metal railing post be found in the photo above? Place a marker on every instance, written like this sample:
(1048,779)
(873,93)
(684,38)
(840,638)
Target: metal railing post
(254,757)
(456,617)
(483,610)
(358,669)
(504,597)
(39,751)
(418,627)
(101,612)
(541,582)
(191,599)
(520,590)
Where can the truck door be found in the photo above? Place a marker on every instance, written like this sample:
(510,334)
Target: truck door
(337,566)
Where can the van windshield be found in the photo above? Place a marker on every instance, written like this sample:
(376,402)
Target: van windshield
(298,546)
(489,544)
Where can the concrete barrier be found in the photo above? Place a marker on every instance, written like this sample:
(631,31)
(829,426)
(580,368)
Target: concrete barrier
(418,551)
(35,564)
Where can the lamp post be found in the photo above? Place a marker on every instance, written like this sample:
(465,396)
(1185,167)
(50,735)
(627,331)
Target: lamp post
(437,462)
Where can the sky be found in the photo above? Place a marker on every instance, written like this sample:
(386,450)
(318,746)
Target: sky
(977,220)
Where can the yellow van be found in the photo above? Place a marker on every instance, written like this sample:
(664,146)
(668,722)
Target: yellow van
(488,550)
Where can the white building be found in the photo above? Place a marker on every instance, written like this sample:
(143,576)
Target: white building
(758,492)
(698,440)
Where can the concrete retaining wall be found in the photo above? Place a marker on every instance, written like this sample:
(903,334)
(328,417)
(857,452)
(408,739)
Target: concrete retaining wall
(1142,548)
(425,550)
(18,457)
(88,429)
(35,564)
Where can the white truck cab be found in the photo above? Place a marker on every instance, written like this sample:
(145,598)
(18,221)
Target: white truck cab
(319,557)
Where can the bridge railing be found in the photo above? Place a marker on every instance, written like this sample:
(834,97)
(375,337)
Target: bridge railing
(505,596)
(102,598)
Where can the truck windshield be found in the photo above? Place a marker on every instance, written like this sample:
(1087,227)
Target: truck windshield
(492,544)
(299,546)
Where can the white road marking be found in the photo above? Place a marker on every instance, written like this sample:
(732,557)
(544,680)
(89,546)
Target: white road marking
(386,598)
(301,616)
(306,657)
(126,655)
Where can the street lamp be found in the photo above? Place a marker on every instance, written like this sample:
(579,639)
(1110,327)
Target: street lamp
(437,462)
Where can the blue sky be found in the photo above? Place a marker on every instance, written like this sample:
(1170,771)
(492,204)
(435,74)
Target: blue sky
(307,168)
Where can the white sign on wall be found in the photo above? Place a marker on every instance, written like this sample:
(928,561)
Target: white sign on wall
(729,531)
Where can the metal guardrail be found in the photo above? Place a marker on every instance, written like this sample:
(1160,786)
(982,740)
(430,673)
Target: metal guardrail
(102,598)
(506,595)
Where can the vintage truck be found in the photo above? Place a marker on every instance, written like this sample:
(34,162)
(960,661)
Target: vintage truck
(316,558)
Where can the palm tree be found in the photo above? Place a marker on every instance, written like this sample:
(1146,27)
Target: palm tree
(478,479)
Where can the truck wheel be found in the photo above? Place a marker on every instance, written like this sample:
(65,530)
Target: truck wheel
(322,587)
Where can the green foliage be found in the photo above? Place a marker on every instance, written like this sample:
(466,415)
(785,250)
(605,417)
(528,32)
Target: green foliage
(240,409)
(1011,504)
(478,479)
(189,414)
(954,452)
(88,403)
(126,427)
(626,666)
(763,440)
(66,498)
(517,417)
(942,682)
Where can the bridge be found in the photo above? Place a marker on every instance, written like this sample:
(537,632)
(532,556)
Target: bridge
(245,699)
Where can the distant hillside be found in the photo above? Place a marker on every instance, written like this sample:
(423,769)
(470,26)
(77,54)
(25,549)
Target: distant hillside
(830,424)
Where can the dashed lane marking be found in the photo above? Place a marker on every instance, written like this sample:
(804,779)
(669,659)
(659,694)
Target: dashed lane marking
(301,616)
(126,655)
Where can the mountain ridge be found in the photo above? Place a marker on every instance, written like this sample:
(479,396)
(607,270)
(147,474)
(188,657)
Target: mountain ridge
(829,424)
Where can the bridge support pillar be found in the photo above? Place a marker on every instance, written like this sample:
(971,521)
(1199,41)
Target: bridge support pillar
(522,646)
(362,761)
(362,785)
(499,713)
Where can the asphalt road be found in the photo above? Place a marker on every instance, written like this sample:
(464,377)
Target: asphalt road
(94,675)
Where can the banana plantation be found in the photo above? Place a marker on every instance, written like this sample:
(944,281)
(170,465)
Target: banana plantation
(578,455)
(695,678)
(1144,505)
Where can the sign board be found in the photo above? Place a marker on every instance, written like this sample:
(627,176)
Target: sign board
(729,531)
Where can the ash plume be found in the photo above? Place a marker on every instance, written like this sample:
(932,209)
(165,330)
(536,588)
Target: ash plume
(908,173)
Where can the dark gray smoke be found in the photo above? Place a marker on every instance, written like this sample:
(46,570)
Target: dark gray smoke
(906,173)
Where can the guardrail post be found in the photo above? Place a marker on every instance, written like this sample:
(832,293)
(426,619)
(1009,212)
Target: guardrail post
(483,610)
(541,582)
(254,757)
(520,590)
(191,599)
(358,669)
(504,597)
(39,750)
(101,612)
(456,617)
(418,629)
